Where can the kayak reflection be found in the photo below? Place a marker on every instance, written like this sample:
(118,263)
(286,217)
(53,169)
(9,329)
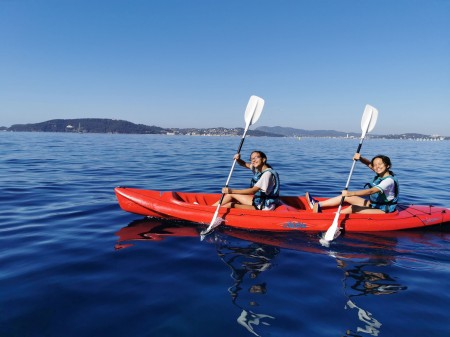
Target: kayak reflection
(153,230)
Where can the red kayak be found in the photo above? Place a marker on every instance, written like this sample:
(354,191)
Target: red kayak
(292,215)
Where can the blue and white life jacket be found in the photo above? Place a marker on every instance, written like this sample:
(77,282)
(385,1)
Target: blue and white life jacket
(261,199)
(379,199)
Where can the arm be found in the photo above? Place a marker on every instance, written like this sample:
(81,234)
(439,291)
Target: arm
(360,193)
(363,160)
(241,162)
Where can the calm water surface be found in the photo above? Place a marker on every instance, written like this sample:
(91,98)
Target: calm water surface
(74,264)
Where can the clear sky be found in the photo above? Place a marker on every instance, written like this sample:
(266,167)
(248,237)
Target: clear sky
(195,63)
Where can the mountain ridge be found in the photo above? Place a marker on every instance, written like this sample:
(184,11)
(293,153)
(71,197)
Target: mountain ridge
(105,125)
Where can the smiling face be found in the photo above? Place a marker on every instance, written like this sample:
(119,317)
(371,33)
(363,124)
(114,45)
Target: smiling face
(381,166)
(257,160)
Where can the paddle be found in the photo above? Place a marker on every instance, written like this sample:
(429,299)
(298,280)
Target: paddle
(252,113)
(368,121)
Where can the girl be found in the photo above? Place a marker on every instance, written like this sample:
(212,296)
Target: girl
(383,191)
(264,188)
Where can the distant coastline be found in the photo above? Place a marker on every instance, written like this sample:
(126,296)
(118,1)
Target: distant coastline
(102,125)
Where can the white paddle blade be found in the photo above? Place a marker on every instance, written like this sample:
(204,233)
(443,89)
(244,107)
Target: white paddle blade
(368,120)
(333,232)
(253,111)
(214,223)
(373,120)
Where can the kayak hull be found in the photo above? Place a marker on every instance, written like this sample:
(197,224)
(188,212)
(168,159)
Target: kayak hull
(292,215)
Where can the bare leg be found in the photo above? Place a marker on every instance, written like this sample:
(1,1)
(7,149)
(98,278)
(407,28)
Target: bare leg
(226,199)
(362,210)
(237,205)
(233,201)
(243,199)
(351,200)
(330,202)
(358,205)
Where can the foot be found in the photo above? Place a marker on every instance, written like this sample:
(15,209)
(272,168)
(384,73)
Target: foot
(311,201)
(317,208)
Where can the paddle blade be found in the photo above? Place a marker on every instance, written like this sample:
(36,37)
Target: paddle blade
(333,232)
(253,111)
(369,119)
(214,223)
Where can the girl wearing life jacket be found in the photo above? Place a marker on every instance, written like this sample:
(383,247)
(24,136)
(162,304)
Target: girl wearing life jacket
(264,189)
(383,191)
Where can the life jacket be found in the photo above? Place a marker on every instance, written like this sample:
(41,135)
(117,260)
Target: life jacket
(261,199)
(379,199)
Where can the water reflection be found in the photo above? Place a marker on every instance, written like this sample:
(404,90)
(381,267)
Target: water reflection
(152,230)
(360,279)
(364,259)
(371,324)
(365,274)
(246,260)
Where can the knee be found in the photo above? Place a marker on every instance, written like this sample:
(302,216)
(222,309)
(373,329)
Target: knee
(348,210)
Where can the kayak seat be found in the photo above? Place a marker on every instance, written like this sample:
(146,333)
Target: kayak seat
(293,203)
(176,196)
(284,207)
(190,198)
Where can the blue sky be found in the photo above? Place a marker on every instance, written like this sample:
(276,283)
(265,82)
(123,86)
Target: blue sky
(195,63)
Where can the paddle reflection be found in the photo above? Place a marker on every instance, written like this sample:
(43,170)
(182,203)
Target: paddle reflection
(246,260)
(366,275)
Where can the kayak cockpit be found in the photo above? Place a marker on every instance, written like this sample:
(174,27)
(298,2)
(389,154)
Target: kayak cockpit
(203,199)
(290,203)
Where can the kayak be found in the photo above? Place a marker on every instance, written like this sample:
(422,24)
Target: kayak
(293,213)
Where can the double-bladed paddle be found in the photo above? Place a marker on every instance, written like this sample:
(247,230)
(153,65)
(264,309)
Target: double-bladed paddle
(368,121)
(252,114)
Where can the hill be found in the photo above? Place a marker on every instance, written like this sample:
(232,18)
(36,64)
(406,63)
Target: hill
(88,125)
(103,125)
(292,132)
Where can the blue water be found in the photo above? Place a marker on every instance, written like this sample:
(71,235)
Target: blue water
(74,264)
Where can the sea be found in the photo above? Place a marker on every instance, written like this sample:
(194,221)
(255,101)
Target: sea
(73,263)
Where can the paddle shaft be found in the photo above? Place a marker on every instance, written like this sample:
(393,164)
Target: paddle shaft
(349,177)
(333,231)
(231,171)
(353,167)
(213,223)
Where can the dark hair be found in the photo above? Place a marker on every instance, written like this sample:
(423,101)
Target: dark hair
(263,156)
(386,160)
